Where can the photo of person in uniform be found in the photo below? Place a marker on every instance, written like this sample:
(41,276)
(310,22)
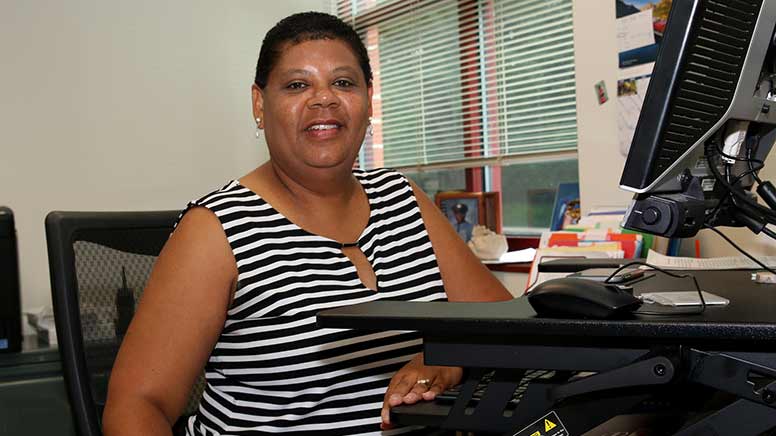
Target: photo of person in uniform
(461,225)
(463,214)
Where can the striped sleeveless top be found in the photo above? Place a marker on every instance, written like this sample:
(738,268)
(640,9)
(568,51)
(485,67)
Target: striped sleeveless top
(273,370)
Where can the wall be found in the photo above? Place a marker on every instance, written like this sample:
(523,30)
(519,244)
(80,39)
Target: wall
(600,162)
(595,56)
(123,105)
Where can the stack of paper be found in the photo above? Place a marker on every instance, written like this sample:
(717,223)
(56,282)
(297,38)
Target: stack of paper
(601,218)
(630,244)
(520,256)
(608,220)
(713,263)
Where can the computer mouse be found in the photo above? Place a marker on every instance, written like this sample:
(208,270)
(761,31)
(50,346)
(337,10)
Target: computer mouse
(580,298)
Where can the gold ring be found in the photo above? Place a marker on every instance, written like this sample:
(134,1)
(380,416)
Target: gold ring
(424,381)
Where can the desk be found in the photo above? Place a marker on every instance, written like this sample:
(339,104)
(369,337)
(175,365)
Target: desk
(571,265)
(33,397)
(720,349)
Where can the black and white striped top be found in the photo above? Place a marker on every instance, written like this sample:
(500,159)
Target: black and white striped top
(273,370)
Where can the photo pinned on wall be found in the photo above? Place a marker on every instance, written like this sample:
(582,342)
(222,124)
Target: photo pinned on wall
(640,27)
(566,211)
(464,210)
(600,92)
(630,98)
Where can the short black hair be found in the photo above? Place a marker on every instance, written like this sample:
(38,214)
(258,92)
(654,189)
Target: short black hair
(460,208)
(307,26)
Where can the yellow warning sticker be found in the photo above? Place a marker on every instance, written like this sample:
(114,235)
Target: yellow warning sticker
(548,425)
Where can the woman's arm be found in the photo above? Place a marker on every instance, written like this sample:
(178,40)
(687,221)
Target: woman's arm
(465,278)
(178,321)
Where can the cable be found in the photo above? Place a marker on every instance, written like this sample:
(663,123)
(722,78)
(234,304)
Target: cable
(538,262)
(765,189)
(727,172)
(750,208)
(727,195)
(752,170)
(750,161)
(768,214)
(735,182)
(769,233)
(698,311)
(736,158)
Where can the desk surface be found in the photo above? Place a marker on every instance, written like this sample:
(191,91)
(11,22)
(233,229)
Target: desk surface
(749,318)
(42,360)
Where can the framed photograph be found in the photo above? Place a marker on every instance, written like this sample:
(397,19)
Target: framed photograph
(464,210)
(566,211)
(492,218)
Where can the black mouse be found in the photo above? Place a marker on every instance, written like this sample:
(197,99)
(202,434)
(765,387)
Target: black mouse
(580,298)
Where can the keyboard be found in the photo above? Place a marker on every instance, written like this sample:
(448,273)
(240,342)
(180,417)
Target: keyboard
(450,395)
(433,413)
(662,412)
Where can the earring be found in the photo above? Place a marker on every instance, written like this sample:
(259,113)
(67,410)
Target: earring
(369,128)
(258,123)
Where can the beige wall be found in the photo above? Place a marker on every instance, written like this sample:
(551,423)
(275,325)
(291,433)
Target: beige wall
(600,163)
(595,57)
(123,105)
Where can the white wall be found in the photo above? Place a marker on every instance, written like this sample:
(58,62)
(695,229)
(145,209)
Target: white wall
(123,105)
(600,163)
(595,58)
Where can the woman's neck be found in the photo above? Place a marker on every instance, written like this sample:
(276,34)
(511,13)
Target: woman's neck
(332,206)
(333,188)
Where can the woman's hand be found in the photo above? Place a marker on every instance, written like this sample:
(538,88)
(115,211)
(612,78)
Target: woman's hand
(416,381)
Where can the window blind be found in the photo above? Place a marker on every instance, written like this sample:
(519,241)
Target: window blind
(466,82)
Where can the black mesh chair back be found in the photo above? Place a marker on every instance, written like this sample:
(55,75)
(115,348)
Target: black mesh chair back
(99,263)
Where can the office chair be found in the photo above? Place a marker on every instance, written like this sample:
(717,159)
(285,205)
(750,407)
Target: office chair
(99,263)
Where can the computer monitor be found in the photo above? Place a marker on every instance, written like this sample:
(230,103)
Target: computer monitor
(10,303)
(708,120)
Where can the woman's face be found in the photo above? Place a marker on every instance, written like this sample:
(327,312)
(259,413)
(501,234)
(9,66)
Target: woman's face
(315,107)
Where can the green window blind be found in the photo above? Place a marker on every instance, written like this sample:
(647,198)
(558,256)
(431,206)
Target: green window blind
(463,83)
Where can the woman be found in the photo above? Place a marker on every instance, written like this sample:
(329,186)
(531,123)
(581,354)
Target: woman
(237,286)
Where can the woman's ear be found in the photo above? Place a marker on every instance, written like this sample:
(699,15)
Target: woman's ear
(258,105)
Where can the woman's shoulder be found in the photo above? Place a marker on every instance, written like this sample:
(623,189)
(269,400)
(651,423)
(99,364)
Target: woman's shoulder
(231,196)
(231,191)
